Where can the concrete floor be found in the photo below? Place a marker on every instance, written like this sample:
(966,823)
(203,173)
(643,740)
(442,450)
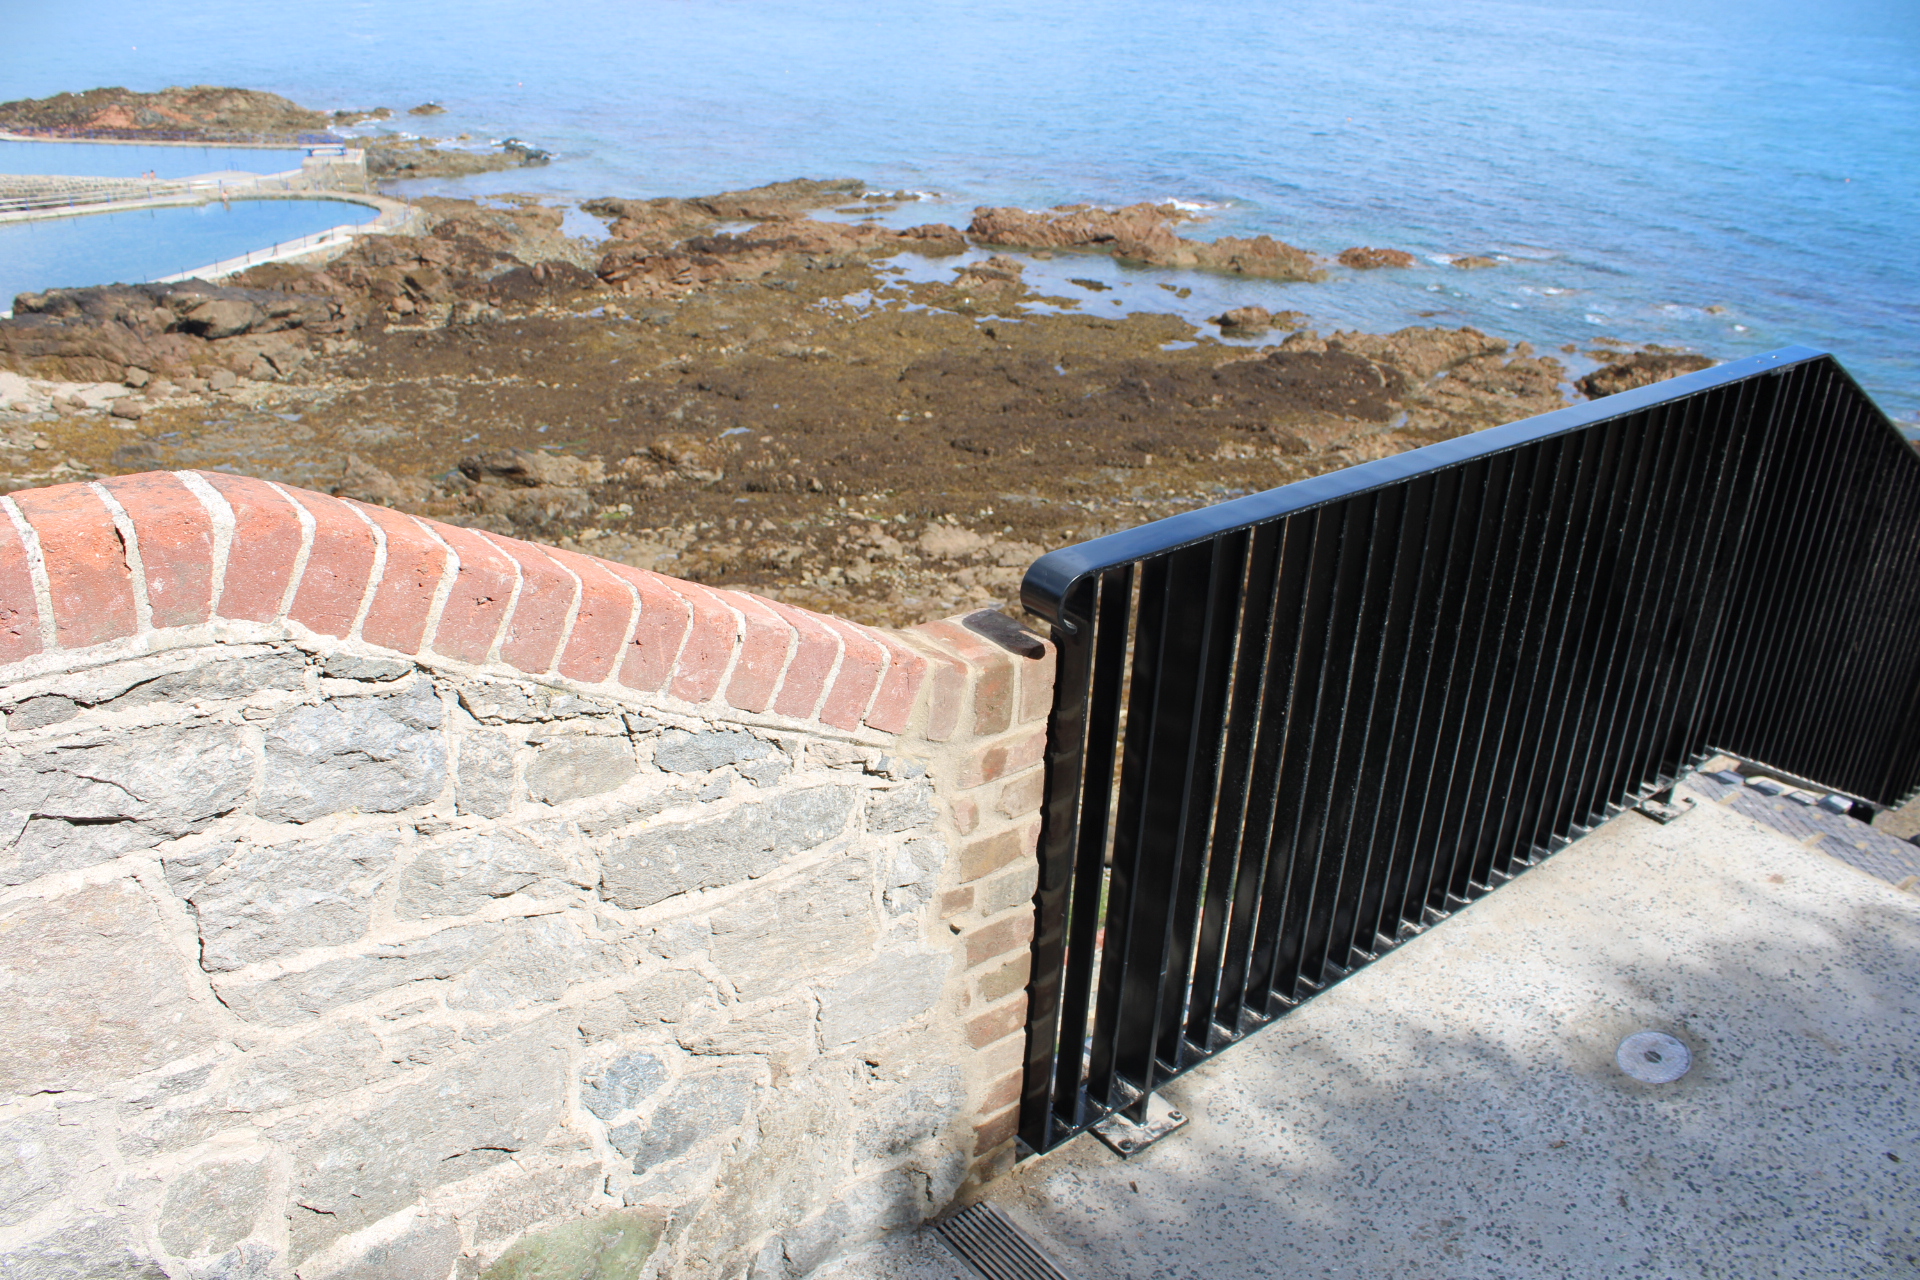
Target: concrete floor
(1455,1110)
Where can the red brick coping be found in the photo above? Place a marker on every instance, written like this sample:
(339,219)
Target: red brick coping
(81,564)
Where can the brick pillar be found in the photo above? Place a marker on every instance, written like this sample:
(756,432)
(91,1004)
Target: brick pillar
(995,721)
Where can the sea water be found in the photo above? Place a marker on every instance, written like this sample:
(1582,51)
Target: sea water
(144,244)
(1727,175)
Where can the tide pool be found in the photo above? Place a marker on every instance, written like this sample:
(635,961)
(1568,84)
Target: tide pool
(142,244)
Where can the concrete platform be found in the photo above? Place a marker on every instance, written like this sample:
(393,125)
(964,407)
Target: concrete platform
(1456,1109)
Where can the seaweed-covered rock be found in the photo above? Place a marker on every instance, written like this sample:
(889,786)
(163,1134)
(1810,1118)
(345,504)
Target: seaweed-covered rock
(1246,322)
(1368,259)
(1642,368)
(95,335)
(1143,233)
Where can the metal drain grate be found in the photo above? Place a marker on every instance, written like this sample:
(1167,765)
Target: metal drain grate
(988,1241)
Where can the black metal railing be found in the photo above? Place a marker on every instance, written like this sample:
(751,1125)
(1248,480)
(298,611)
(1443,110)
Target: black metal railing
(1294,730)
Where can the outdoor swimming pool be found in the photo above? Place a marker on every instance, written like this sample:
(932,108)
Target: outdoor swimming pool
(142,244)
(102,160)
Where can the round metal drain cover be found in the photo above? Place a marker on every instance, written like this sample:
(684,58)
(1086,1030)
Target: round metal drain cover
(1653,1056)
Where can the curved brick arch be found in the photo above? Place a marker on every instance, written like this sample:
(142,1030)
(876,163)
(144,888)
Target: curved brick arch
(84,564)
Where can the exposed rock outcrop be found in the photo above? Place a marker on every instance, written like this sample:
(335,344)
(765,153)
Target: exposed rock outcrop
(522,489)
(1078,226)
(524,469)
(95,335)
(265,322)
(366,482)
(205,109)
(1250,322)
(394,158)
(1642,368)
(1143,233)
(1422,352)
(349,118)
(673,217)
(998,274)
(1366,259)
(1453,379)
(665,247)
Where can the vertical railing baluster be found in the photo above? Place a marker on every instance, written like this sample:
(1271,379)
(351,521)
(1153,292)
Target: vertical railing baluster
(1760,458)
(1490,604)
(1383,769)
(1355,777)
(1260,896)
(1516,665)
(1620,588)
(1140,881)
(1059,840)
(1321,828)
(1438,742)
(1215,984)
(1692,606)
(1547,714)
(1842,643)
(1784,554)
(1072,1090)
(1734,409)
(1655,585)
(1297,813)
(1208,647)
(1892,714)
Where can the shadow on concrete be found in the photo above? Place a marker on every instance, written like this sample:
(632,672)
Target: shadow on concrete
(1456,1110)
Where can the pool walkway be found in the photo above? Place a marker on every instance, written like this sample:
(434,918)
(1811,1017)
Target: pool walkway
(395,218)
(31,197)
(1457,1109)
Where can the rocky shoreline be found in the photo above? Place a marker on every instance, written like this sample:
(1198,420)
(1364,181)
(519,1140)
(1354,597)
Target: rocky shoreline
(780,406)
(216,115)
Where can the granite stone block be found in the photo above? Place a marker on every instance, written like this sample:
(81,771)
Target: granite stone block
(370,755)
(744,843)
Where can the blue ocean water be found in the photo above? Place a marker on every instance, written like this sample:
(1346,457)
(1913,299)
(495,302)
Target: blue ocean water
(1630,162)
(143,244)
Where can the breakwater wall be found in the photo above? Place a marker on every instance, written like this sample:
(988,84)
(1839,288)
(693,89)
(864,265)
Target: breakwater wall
(383,898)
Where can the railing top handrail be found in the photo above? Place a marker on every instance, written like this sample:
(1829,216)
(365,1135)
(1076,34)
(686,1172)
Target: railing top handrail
(1044,589)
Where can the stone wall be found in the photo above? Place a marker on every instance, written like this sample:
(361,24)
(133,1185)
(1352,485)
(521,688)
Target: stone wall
(384,899)
(339,172)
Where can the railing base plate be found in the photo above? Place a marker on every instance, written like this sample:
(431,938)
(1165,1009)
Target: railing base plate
(1126,1138)
(1662,811)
